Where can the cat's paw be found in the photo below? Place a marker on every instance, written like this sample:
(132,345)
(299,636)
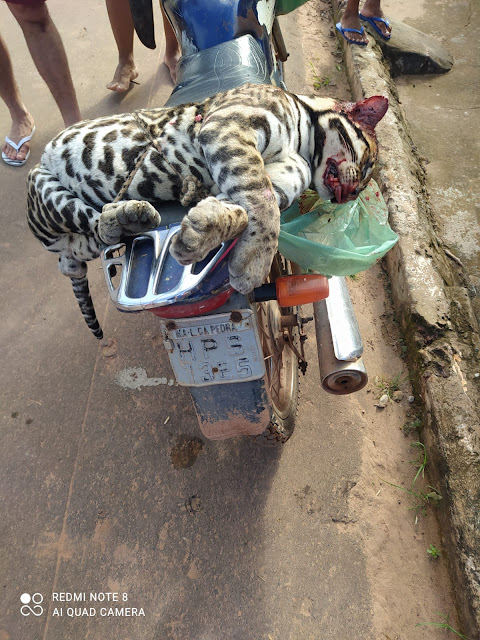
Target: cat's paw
(205,227)
(126,218)
(250,264)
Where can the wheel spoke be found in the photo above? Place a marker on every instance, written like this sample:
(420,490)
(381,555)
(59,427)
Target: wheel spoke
(280,361)
(281,378)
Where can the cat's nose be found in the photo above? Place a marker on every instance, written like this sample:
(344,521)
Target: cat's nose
(346,192)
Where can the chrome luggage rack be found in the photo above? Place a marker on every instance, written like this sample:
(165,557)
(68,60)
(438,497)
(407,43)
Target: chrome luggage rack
(150,277)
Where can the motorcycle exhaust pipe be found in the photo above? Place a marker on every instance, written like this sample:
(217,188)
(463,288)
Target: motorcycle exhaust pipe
(339,342)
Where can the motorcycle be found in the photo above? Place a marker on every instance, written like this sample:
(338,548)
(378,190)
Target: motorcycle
(240,356)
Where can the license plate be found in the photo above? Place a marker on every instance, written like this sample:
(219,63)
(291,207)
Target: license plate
(214,349)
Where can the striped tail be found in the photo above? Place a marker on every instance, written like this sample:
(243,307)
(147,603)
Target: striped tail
(84,299)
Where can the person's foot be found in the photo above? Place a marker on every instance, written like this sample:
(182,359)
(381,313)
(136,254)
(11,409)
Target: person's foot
(171,60)
(124,74)
(20,129)
(372,10)
(353,22)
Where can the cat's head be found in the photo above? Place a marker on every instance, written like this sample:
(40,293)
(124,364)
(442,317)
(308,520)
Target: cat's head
(343,167)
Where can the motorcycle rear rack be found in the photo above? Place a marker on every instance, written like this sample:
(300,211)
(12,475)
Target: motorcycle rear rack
(143,259)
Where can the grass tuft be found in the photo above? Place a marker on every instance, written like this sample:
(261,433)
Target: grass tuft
(442,625)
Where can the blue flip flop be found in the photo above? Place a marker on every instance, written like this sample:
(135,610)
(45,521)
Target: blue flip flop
(344,30)
(373,21)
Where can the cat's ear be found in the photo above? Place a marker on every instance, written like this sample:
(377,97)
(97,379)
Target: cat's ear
(367,113)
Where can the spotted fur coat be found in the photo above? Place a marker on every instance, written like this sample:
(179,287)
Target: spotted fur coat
(248,153)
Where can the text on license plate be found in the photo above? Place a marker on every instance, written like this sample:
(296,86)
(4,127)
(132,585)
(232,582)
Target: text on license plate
(214,350)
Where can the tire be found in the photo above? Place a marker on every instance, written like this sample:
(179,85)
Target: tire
(282,376)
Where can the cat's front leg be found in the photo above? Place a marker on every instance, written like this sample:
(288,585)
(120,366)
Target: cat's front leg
(208,224)
(126,218)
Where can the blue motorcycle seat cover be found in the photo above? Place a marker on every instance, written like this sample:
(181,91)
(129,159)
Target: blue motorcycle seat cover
(220,68)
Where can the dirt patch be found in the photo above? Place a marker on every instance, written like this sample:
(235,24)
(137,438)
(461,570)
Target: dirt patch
(392,506)
(186,451)
(323,58)
(404,549)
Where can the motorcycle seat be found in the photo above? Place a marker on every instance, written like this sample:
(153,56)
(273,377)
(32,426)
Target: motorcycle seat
(219,68)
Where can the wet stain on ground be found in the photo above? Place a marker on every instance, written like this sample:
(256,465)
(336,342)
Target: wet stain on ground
(186,451)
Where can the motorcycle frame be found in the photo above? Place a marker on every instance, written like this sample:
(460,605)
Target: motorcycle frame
(240,407)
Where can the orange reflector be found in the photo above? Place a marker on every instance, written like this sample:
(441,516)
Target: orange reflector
(293,290)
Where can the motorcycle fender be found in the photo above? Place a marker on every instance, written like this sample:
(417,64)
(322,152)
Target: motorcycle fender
(230,410)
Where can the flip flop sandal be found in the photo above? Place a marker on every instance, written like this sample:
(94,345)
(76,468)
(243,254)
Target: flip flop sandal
(373,21)
(18,163)
(344,30)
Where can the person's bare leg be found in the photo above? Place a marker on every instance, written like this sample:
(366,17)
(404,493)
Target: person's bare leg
(350,20)
(172,48)
(22,121)
(371,9)
(48,54)
(121,22)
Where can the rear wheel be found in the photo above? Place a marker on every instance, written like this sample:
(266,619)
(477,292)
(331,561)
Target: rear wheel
(280,343)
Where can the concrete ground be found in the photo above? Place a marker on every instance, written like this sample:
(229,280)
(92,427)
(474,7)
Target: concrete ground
(443,112)
(108,486)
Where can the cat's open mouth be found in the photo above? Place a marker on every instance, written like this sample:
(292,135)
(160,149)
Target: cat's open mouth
(340,192)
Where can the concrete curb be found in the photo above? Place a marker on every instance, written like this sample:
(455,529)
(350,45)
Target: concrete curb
(441,332)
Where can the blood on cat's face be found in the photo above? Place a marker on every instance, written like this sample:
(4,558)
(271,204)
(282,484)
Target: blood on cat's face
(349,149)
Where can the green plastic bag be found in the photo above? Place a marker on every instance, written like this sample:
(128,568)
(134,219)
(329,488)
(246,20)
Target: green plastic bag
(338,239)
(285,6)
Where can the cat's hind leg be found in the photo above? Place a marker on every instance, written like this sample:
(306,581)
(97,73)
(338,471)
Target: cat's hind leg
(208,224)
(126,218)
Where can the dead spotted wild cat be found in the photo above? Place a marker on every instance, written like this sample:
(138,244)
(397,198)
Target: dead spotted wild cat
(251,152)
